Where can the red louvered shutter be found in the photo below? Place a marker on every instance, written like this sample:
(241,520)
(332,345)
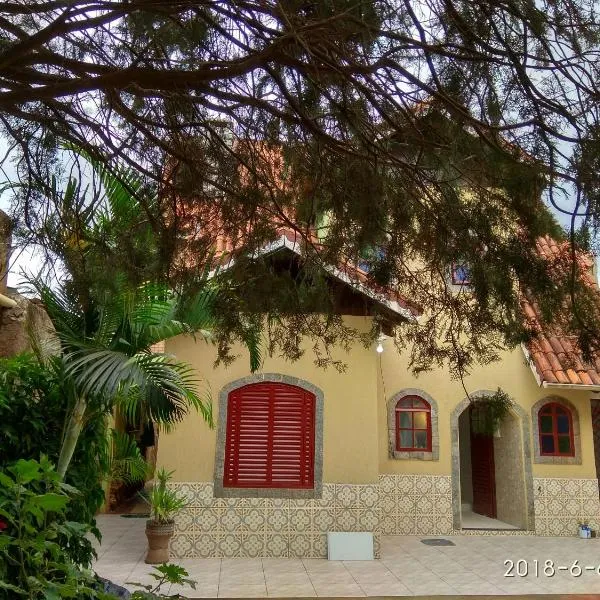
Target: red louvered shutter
(270,439)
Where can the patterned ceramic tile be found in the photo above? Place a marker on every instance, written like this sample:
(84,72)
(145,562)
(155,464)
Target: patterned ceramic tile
(204,494)
(185,519)
(589,488)
(406,526)
(387,525)
(405,484)
(253,519)
(397,505)
(424,505)
(387,484)
(368,520)
(443,525)
(276,545)
(387,504)
(442,505)
(345,496)
(442,485)
(283,503)
(229,545)
(182,545)
(590,506)
(253,545)
(423,484)
(319,545)
(424,525)
(277,519)
(368,496)
(206,519)
(346,520)
(206,544)
(406,505)
(324,519)
(299,545)
(300,520)
(230,520)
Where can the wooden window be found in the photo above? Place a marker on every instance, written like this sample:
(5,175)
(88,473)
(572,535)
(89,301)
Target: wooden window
(413,425)
(270,440)
(555,424)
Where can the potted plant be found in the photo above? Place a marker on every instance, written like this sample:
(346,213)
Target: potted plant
(164,503)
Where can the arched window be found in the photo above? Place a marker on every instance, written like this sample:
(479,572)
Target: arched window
(413,425)
(270,437)
(555,424)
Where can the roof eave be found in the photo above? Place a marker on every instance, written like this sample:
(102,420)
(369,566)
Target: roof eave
(582,387)
(284,242)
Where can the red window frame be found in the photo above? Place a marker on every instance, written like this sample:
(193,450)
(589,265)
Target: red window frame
(551,409)
(423,406)
(270,437)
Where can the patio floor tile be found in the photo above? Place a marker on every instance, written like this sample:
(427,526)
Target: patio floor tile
(473,566)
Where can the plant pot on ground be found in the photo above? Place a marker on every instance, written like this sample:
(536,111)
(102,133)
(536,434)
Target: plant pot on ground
(164,503)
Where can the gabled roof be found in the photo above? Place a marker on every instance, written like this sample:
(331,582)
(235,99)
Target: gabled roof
(554,355)
(347,273)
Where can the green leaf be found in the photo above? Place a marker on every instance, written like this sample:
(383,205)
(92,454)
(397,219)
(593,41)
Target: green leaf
(26,470)
(50,502)
(6,481)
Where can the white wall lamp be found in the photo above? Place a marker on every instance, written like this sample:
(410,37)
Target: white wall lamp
(380,340)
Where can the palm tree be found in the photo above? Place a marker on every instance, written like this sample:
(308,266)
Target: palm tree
(107,326)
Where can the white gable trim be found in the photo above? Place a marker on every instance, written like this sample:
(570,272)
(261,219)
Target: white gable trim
(293,246)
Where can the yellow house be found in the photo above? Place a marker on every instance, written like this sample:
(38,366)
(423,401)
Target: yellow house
(299,451)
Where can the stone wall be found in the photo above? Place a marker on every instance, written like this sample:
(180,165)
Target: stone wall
(508,460)
(16,322)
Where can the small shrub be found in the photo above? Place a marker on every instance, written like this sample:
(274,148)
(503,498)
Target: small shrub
(164,502)
(167,573)
(37,541)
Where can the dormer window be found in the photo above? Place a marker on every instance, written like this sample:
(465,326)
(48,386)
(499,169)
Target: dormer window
(461,274)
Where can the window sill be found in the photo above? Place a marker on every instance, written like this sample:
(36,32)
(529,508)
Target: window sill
(422,455)
(292,493)
(557,460)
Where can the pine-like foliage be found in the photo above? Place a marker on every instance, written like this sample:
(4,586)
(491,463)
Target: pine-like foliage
(414,134)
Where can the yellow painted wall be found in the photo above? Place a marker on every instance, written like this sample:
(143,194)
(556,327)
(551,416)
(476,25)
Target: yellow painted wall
(512,374)
(350,451)
(355,409)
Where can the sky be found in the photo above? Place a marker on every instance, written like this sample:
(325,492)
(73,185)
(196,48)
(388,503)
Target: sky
(27,261)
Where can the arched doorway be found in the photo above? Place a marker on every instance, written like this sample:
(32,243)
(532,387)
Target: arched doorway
(492,483)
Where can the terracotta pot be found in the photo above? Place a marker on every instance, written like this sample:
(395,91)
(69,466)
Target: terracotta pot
(159,535)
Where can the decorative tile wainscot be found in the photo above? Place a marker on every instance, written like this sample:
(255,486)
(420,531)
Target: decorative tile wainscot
(562,504)
(271,527)
(415,504)
(398,505)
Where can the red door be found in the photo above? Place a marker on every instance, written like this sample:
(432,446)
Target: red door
(483,471)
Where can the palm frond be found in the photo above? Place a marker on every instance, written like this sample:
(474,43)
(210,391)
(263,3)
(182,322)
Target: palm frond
(252,338)
(66,315)
(126,462)
(162,381)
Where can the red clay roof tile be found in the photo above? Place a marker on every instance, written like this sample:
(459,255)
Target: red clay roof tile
(555,355)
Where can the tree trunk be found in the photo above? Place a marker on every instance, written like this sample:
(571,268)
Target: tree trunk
(74,428)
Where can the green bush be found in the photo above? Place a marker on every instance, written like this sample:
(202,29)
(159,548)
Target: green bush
(37,541)
(33,411)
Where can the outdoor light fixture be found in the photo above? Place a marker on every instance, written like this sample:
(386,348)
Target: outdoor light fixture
(379,348)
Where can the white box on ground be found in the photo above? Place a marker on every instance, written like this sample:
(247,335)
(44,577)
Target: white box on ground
(350,545)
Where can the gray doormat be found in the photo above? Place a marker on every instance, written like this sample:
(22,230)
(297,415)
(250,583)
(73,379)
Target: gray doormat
(437,542)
